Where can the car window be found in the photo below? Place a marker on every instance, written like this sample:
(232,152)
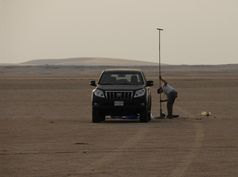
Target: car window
(121,78)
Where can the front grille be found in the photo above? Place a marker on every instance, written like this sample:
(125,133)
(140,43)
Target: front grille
(119,95)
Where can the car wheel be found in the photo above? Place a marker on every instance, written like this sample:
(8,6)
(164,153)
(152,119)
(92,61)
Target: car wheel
(149,115)
(145,116)
(97,116)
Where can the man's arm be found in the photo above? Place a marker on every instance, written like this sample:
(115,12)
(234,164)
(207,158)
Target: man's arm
(164,81)
(164,100)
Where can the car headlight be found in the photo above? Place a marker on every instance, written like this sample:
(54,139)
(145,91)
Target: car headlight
(139,93)
(99,93)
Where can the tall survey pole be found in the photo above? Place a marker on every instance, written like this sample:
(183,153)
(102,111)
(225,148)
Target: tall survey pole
(160,84)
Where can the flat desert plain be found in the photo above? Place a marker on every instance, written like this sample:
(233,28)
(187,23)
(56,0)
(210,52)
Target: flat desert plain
(46,128)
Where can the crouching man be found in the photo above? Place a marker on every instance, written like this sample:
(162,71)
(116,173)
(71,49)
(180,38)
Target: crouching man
(171,95)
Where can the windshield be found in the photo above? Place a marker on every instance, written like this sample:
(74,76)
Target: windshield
(121,78)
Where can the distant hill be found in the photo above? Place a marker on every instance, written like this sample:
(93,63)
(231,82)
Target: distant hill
(89,62)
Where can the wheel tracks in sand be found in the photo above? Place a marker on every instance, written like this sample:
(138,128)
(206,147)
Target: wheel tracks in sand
(116,153)
(180,170)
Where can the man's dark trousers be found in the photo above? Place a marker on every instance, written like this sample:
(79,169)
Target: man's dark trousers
(171,98)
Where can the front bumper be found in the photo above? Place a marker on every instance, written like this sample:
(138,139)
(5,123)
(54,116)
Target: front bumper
(129,107)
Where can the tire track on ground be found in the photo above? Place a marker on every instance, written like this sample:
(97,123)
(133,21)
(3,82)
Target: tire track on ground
(113,155)
(180,170)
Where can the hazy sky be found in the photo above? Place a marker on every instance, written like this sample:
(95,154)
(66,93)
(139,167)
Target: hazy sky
(196,31)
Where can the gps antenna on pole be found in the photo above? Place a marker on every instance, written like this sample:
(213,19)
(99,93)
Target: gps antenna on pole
(160,84)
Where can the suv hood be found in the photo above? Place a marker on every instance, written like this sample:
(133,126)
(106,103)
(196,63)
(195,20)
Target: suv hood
(120,87)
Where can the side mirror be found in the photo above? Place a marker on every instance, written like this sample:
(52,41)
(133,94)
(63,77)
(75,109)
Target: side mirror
(93,83)
(149,83)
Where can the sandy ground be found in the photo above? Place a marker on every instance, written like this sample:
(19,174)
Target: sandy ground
(46,130)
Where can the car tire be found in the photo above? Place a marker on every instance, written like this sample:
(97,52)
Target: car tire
(149,115)
(97,116)
(145,116)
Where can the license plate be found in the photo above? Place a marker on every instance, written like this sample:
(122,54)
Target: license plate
(118,103)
